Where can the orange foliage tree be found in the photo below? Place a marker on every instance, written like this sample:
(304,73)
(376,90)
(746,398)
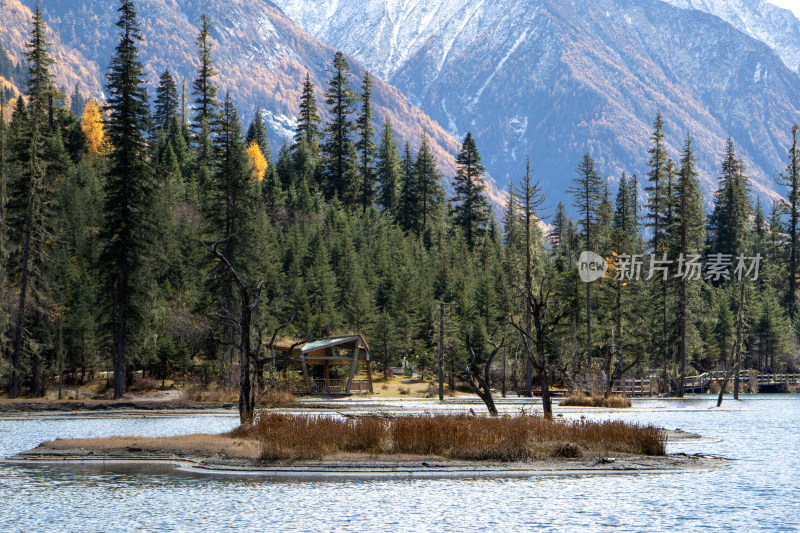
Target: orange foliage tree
(258,160)
(92,127)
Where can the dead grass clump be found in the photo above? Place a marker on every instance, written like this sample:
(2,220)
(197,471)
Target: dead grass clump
(596,400)
(313,437)
(567,450)
(277,398)
(462,437)
(297,437)
(402,390)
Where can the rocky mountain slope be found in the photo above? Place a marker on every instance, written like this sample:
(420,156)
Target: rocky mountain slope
(261,55)
(553,80)
(766,22)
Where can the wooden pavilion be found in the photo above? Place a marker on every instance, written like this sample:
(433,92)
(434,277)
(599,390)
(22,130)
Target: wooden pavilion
(316,357)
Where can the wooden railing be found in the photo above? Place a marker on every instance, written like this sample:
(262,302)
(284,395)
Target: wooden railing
(702,382)
(627,387)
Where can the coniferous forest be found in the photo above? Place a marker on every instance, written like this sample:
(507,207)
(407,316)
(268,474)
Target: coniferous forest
(135,233)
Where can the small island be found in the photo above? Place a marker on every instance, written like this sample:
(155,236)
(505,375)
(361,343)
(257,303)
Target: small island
(291,445)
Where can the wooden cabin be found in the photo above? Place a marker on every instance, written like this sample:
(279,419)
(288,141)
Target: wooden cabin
(315,359)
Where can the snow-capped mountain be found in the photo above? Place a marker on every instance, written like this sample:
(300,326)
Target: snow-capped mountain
(553,80)
(773,25)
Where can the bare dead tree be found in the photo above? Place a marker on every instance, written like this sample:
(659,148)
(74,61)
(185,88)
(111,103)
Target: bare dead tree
(541,299)
(243,326)
(478,378)
(614,369)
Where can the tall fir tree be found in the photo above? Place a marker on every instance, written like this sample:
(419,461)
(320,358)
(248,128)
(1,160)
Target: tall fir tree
(77,101)
(166,102)
(587,191)
(729,225)
(408,204)
(625,214)
(205,93)
(657,180)
(340,166)
(308,129)
(428,182)
(231,214)
(128,187)
(687,235)
(388,168)
(29,194)
(3,245)
(258,132)
(791,180)
(365,146)
(471,208)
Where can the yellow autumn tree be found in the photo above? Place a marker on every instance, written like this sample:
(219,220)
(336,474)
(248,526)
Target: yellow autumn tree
(258,160)
(92,127)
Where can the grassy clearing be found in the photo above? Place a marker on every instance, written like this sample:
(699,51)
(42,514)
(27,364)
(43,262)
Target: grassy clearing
(299,437)
(596,400)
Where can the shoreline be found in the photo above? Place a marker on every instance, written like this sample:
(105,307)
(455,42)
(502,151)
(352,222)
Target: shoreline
(356,405)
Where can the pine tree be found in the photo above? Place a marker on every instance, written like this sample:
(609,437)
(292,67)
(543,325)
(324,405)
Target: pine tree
(365,146)
(231,213)
(625,214)
(205,92)
(791,180)
(388,168)
(339,171)
(166,103)
(30,191)
(77,101)
(588,193)
(687,234)
(729,224)
(471,208)
(428,182)
(309,121)
(657,178)
(128,189)
(3,247)
(258,132)
(408,204)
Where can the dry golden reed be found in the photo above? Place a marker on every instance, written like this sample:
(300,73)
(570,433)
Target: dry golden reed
(298,437)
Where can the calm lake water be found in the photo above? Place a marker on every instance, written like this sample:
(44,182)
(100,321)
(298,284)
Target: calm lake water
(758,491)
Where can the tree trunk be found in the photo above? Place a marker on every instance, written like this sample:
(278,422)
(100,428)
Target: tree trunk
(119,359)
(16,354)
(682,336)
(245,400)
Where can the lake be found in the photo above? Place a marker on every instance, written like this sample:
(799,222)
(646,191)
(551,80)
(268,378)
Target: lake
(757,491)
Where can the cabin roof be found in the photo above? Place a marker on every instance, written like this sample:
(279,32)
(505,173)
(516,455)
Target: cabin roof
(347,342)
